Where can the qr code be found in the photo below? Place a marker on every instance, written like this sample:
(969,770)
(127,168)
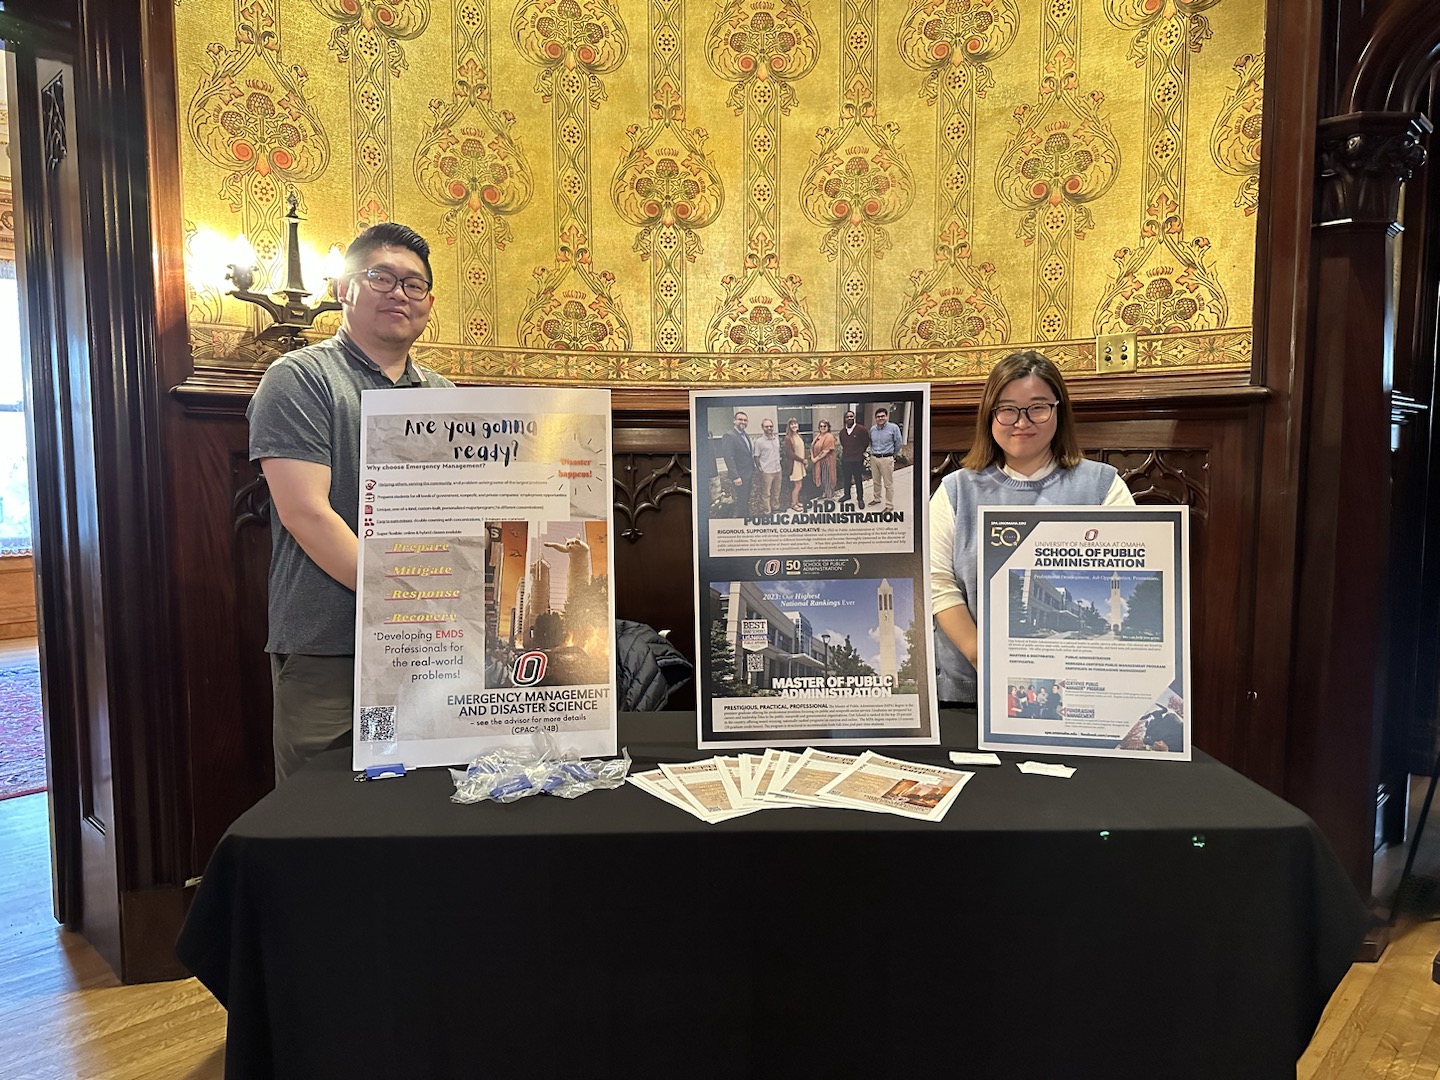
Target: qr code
(377,723)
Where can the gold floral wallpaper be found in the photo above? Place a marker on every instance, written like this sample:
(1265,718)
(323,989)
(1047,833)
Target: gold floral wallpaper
(7,195)
(675,192)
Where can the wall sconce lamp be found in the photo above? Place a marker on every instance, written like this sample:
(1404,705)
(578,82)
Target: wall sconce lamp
(290,313)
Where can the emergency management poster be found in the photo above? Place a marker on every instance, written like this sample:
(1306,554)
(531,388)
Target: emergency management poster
(1084,618)
(484,611)
(812,586)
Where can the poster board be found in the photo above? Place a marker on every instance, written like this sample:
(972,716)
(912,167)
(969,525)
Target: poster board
(1084,617)
(484,613)
(812,609)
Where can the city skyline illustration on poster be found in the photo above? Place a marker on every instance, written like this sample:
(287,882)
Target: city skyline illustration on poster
(484,611)
(1085,631)
(812,603)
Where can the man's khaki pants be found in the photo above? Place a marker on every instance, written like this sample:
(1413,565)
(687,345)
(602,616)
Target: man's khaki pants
(882,474)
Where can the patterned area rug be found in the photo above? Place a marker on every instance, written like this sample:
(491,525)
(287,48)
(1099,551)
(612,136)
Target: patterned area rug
(22,732)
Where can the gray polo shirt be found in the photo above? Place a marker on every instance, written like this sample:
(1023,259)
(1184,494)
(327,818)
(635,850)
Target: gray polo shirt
(767,452)
(307,408)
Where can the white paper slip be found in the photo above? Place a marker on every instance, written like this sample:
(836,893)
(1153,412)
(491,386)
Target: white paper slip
(1044,768)
(970,757)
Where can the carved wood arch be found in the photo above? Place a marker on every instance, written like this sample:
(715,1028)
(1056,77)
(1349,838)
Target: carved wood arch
(1395,65)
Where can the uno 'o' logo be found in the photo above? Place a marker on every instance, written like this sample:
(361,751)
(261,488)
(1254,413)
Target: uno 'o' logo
(529,668)
(1091,534)
(771,567)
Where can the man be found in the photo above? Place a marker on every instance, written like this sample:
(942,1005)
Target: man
(767,461)
(305,435)
(854,441)
(739,458)
(884,445)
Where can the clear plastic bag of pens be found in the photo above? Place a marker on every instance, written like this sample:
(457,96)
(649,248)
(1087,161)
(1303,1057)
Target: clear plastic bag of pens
(511,773)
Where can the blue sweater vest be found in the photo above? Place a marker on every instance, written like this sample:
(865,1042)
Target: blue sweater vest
(1086,484)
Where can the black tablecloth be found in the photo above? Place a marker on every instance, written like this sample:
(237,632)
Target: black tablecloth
(1143,919)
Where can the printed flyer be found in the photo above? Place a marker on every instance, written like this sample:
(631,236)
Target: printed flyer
(888,786)
(1085,630)
(483,609)
(812,589)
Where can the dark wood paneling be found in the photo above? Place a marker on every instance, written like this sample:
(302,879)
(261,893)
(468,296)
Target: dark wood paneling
(134,592)
(1298,56)
(1415,555)
(69,539)
(654,525)
(1414,636)
(132,495)
(1338,677)
(51,499)
(221,566)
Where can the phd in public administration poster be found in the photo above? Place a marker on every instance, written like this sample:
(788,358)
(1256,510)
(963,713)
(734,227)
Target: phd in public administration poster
(812,588)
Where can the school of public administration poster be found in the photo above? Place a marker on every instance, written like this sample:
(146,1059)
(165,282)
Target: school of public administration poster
(484,608)
(1084,643)
(812,589)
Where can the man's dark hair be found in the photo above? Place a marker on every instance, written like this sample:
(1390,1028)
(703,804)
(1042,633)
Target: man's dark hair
(387,234)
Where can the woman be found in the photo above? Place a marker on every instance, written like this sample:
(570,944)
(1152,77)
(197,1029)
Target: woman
(1024,454)
(822,451)
(793,451)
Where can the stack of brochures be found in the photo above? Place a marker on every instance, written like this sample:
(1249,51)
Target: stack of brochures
(721,788)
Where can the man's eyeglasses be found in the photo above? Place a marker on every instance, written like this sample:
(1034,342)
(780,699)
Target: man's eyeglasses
(383,281)
(1038,413)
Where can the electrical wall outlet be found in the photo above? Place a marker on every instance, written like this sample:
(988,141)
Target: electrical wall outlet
(1115,353)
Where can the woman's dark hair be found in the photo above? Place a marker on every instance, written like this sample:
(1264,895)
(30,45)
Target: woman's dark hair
(984,450)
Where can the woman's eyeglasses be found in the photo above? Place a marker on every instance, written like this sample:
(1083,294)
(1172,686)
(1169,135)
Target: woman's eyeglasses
(1009,415)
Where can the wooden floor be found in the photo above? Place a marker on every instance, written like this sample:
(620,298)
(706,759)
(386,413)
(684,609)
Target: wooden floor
(1384,1019)
(63,1015)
